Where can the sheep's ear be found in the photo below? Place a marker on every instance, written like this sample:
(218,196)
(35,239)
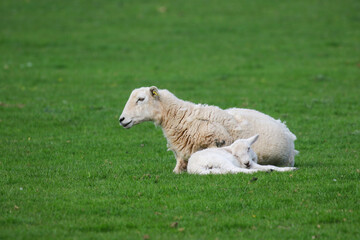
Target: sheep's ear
(154,91)
(237,141)
(253,139)
(228,148)
(233,145)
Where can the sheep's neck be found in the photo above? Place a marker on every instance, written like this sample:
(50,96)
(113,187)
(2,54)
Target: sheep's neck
(174,114)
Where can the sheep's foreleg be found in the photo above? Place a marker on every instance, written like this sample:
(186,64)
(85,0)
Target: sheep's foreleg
(271,168)
(181,165)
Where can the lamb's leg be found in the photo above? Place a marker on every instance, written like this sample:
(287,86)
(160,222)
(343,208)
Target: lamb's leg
(205,171)
(181,165)
(244,170)
(225,168)
(271,168)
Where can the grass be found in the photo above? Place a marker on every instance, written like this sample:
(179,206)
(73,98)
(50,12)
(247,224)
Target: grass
(68,171)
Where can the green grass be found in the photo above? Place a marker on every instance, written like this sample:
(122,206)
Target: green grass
(68,171)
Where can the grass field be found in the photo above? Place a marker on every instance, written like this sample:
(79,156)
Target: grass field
(69,171)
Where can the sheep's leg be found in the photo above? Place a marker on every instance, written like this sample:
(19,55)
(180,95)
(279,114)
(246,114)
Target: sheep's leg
(225,168)
(181,166)
(271,168)
(244,170)
(205,171)
(231,171)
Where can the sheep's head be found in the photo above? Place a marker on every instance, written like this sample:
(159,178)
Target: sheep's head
(242,150)
(142,105)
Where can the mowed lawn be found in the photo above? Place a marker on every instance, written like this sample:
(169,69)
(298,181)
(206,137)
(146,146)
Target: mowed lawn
(69,171)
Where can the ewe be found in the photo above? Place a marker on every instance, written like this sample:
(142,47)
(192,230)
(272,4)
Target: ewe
(236,158)
(190,127)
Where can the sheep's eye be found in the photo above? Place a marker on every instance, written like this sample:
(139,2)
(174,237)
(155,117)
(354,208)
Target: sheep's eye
(248,149)
(140,100)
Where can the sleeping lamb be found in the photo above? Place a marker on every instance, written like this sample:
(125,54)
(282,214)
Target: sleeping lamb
(236,158)
(190,127)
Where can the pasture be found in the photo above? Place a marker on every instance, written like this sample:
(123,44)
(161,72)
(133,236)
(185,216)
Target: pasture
(69,171)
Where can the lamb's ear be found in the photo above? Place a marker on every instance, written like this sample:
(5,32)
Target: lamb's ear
(231,148)
(228,148)
(154,91)
(253,139)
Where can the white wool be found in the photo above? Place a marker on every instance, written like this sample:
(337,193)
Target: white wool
(190,127)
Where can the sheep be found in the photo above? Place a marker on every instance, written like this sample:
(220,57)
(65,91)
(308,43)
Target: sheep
(239,157)
(190,127)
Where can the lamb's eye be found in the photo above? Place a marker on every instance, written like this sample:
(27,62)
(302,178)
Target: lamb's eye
(248,149)
(140,100)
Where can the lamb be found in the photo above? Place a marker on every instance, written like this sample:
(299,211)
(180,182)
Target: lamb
(239,157)
(190,127)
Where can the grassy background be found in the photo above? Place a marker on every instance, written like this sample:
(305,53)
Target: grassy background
(68,171)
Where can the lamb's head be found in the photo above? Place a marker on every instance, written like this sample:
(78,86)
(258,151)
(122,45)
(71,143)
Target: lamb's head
(243,152)
(142,105)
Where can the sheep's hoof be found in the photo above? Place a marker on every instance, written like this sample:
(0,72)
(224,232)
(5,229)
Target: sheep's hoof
(178,171)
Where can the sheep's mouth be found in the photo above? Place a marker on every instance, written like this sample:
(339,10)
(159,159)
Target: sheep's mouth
(127,124)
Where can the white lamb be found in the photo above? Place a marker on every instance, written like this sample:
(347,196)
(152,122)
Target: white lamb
(190,127)
(239,157)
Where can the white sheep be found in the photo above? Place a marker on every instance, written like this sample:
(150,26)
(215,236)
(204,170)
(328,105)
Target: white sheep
(190,127)
(239,157)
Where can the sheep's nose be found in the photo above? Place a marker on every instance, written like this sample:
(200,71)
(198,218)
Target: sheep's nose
(121,119)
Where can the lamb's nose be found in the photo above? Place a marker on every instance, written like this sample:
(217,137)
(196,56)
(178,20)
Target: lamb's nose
(121,119)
